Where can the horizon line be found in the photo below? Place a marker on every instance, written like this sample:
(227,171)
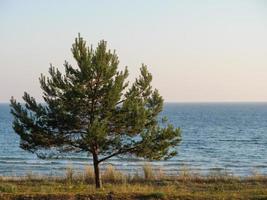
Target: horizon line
(184,102)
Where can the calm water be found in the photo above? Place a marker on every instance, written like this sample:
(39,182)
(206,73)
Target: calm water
(231,137)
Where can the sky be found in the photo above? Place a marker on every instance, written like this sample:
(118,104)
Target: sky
(197,51)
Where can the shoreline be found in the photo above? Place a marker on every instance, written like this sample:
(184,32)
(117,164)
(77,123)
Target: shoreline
(150,185)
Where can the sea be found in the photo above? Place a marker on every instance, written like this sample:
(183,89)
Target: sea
(216,138)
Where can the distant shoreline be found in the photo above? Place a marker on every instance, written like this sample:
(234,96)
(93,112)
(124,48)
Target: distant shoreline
(196,102)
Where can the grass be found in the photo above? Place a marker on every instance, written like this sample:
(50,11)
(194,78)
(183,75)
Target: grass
(152,184)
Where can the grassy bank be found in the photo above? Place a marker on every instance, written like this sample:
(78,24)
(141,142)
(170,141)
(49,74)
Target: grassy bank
(151,185)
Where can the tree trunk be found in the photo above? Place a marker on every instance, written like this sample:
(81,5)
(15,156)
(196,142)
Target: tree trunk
(97,171)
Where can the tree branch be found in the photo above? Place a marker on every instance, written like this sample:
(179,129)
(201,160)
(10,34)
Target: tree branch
(121,151)
(121,101)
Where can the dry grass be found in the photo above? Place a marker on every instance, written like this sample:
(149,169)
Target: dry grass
(111,175)
(148,172)
(88,175)
(152,184)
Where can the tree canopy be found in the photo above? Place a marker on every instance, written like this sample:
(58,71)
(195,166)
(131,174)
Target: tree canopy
(93,108)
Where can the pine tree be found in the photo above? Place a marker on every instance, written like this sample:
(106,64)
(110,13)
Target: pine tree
(92,108)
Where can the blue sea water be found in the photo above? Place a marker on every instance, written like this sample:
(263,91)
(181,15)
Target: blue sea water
(216,136)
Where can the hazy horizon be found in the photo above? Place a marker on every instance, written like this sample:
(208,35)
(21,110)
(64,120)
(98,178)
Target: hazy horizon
(197,52)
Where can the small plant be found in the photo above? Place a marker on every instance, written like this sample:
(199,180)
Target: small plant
(89,174)
(112,175)
(185,174)
(184,171)
(148,171)
(155,195)
(160,174)
(8,188)
(69,174)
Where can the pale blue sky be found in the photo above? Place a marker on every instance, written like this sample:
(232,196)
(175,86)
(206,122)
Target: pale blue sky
(196,50)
